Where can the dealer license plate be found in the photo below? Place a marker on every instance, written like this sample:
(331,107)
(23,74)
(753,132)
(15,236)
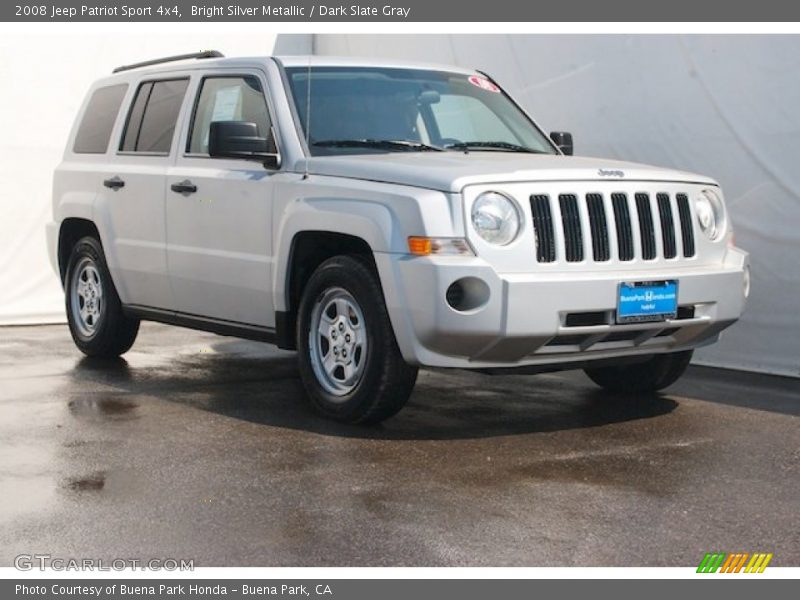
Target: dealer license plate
(646,301)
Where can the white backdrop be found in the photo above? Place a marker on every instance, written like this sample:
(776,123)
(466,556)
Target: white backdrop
(727,106)
(45,77)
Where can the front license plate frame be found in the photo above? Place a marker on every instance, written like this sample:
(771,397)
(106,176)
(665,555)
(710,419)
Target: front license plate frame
(647,301)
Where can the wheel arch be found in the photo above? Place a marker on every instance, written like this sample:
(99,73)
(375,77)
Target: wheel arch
(308,249)
(71,230)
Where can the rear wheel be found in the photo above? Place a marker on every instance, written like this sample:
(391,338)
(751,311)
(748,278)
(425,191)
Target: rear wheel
(94,311)
(660,371)
(350,364)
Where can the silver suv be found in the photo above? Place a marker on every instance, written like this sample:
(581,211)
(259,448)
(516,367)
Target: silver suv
(378,217)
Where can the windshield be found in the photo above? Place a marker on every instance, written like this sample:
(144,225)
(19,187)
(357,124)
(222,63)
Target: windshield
(359,110)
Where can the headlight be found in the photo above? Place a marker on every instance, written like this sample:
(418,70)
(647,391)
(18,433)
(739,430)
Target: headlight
(496,218)
(710,214)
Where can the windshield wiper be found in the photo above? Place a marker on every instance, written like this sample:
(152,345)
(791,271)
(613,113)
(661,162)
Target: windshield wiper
(406,145)
(500,146)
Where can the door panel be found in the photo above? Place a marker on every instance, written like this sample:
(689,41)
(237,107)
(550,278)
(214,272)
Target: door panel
(134,227)
(131,200)
(219,251)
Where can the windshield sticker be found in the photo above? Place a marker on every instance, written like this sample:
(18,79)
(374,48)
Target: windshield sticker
(484,84)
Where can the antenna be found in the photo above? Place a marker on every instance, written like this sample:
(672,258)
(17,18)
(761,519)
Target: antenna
(308,116)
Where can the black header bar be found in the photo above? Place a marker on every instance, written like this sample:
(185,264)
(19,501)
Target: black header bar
(402,10)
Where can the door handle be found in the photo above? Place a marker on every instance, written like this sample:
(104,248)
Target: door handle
(184,187)
(114,183)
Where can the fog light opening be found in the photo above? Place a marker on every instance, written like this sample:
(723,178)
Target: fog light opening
(455,295)
(467,294)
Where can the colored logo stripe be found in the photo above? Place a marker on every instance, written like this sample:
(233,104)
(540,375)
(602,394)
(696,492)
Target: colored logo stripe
(733,563)
(711,562)
(758,563)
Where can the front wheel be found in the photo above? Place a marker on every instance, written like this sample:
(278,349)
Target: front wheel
(660,371)
(350,364)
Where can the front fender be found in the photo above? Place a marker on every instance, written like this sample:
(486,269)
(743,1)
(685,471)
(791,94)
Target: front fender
(381,214)
(369,221)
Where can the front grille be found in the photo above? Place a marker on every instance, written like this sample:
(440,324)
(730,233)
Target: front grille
(643,225)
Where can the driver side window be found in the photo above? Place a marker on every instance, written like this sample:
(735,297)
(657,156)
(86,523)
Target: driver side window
(239,98)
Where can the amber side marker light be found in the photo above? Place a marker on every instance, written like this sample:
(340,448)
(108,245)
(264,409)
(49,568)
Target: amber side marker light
(426,246)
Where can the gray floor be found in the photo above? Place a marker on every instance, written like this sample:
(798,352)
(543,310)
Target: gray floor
(201,447)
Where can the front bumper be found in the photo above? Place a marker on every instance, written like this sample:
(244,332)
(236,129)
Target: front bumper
(529,317)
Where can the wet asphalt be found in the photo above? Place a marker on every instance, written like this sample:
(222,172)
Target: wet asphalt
(202,447)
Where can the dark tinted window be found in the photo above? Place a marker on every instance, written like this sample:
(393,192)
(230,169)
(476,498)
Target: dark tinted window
(227,99)
(152,129)
(135,118)
(98,120)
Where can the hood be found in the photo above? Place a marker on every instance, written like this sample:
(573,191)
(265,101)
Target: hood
(452,171)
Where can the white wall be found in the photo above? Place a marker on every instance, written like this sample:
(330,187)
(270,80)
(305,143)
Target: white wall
(726,106)
(45,77)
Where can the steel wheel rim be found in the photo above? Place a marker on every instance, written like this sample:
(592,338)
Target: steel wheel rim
(86,297)
(337,341)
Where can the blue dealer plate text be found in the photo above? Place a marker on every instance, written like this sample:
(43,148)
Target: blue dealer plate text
(647,301)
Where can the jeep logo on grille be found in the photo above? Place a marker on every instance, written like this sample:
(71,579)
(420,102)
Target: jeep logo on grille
(610,173)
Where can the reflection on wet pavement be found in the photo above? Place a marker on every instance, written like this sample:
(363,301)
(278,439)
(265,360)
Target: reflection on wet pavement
(92,482)
(203,447)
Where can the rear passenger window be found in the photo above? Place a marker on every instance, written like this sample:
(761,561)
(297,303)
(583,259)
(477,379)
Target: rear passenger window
(227,99)
(153,116)
(98,119)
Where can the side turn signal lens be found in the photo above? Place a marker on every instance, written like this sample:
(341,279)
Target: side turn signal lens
(425,246)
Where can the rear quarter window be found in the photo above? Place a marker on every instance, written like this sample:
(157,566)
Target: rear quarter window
(98,120)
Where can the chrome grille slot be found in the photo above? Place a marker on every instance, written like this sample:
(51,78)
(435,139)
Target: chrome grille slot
(543,224)
(667,225)
(571,223)
(622,217)
(647,232)
(687,233)
(598,227)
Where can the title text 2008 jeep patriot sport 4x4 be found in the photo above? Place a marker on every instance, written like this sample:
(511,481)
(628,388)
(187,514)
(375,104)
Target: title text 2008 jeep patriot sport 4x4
(378,217)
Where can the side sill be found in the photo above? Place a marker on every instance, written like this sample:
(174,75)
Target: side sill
(218,326)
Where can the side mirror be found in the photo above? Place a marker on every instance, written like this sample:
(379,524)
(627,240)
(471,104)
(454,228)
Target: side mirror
(240,139)
(563,140)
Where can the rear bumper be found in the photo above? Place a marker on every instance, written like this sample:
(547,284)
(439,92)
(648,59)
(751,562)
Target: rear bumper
(524,322)
(51,233)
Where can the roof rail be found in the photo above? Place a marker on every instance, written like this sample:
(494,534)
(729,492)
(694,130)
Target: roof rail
(166,59)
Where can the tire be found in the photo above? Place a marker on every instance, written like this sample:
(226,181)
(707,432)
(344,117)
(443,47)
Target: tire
(343,297)
(94,312)
(660,371)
